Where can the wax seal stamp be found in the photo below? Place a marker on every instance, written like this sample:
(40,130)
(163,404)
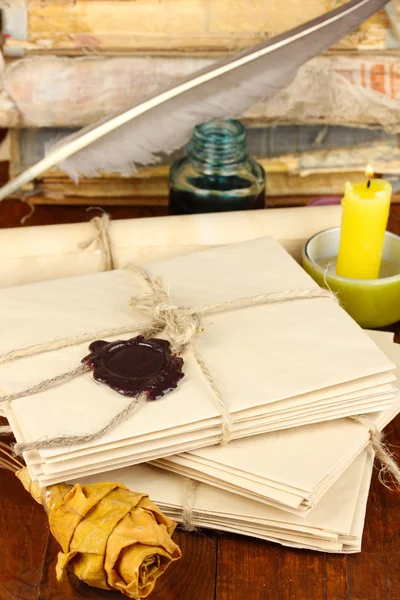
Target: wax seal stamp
(134,366)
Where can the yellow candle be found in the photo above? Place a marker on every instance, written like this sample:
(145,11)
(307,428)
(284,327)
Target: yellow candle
(364,220)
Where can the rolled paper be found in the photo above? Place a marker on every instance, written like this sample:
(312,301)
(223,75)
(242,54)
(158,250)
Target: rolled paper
(364,220)
(47,252)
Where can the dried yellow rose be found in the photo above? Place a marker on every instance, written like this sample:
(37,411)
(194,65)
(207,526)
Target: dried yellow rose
(113,538)
(110,537)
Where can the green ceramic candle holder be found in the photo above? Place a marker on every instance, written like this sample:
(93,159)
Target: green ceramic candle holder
(372,303)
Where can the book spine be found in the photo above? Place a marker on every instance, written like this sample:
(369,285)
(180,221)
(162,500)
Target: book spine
(290,147)
(324,159)
(88,88)
(155,191)
(167,26)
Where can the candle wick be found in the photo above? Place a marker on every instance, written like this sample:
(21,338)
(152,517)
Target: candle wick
(369,183)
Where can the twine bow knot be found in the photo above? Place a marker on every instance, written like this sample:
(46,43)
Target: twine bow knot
(180,324)
(102,234)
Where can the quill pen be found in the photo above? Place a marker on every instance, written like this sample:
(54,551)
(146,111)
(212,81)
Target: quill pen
(164,121)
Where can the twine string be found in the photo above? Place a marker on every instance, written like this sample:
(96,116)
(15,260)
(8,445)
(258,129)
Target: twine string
(189,497)
(45,384)
(226,432)
(102,235)
(58,344)
(388,464)
(61,440)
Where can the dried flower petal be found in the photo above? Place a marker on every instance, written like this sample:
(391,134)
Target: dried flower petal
(113,538)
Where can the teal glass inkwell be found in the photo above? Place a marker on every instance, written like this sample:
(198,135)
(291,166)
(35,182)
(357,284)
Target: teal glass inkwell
(217,174)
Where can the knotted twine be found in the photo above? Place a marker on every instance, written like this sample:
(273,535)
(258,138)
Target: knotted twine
(179,324)
(382,452)
(102,234)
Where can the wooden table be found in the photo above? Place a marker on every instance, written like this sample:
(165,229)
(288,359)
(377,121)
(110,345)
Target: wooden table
(215,566)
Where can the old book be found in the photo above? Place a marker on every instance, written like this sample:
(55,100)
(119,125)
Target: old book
(292,149)
(300,162)
(281,188)
(360,90)
(168,26)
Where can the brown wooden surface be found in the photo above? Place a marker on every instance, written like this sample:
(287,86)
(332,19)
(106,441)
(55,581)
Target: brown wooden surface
(214,566)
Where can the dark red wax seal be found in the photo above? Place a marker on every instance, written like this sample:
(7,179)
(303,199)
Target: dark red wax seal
(134,366)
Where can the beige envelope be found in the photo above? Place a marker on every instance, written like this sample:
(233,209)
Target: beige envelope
(258,356)
(53,471)
(42,253)
(336,447)
(326,449)
(334,526)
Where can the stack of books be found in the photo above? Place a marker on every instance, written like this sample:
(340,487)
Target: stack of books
(70,62)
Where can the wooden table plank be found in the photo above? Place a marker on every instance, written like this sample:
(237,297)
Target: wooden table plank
(249,568)
(23,541)
(191,578)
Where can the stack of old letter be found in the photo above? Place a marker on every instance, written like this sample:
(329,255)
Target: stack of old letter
(292,375)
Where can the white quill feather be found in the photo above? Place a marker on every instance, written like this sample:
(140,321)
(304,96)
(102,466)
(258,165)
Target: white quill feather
(226,89)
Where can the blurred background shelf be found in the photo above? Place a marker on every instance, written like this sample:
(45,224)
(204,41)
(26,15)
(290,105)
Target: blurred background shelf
(66,63)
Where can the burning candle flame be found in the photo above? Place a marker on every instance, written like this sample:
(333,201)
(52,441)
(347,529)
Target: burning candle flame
(369,171)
